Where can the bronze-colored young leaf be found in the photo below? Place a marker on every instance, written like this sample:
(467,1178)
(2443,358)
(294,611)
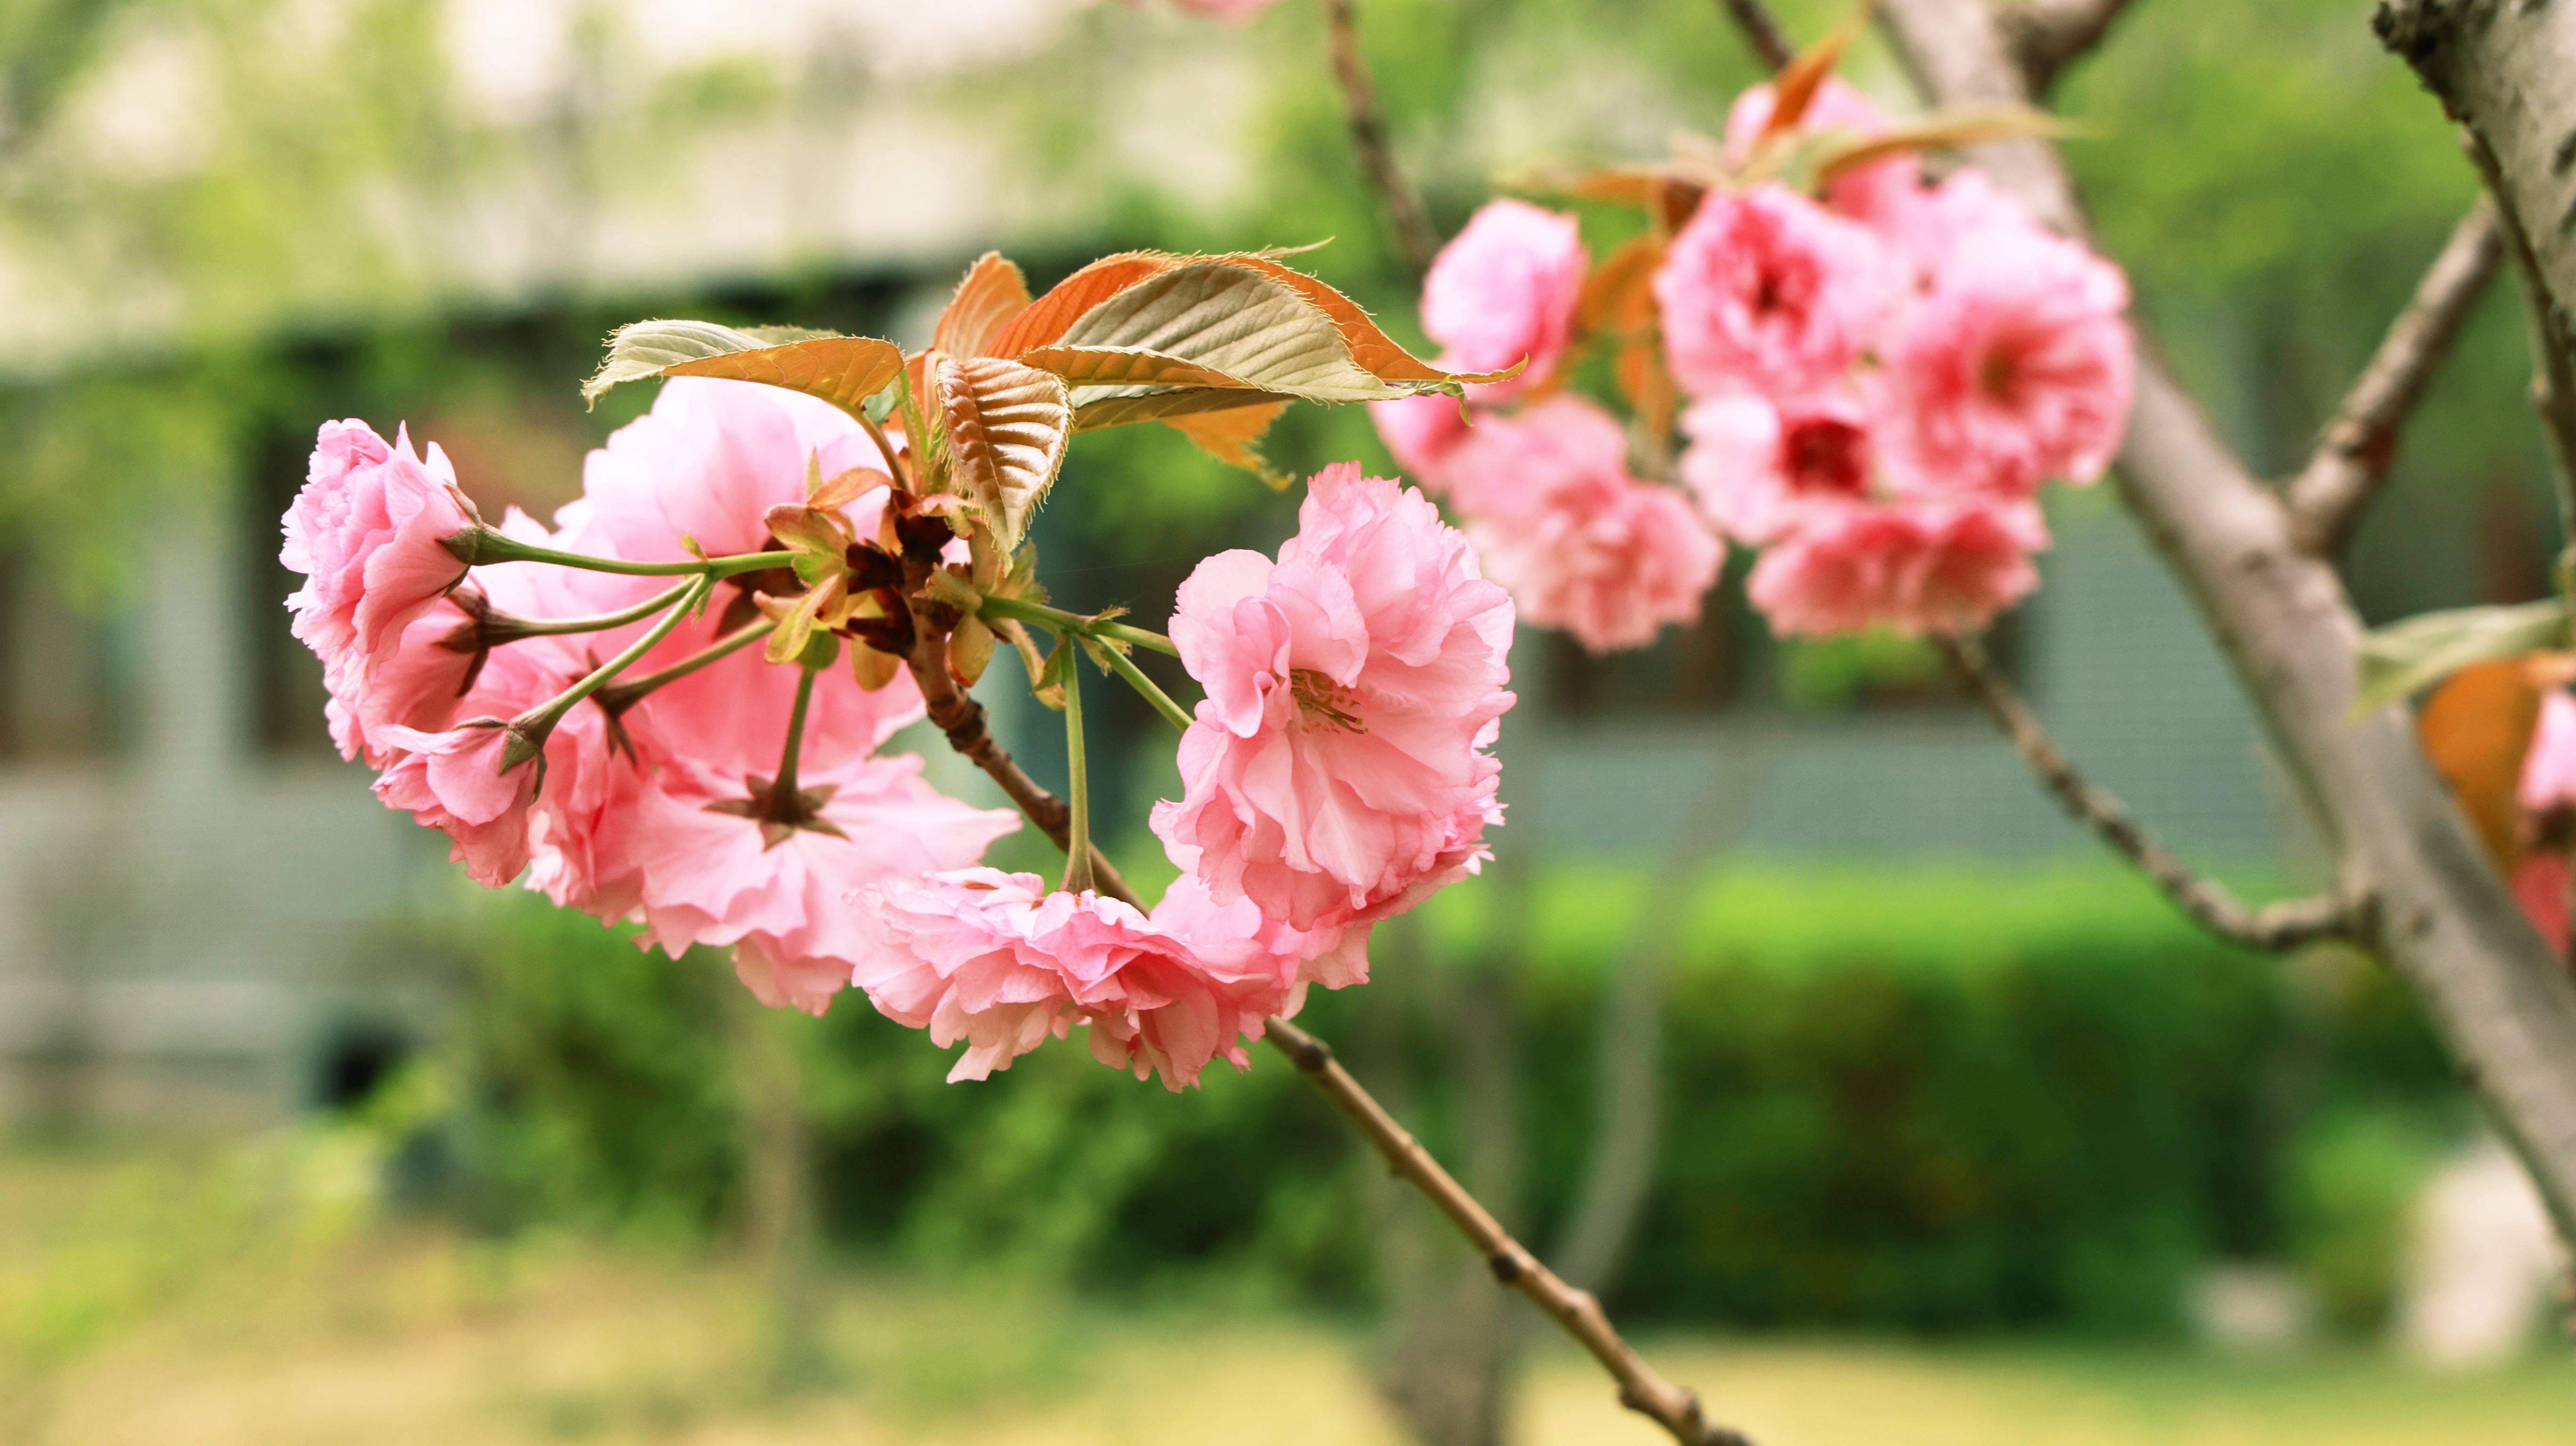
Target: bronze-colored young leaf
(2475,729)
(1372,350)
(1607,292)
(992,293)
(1795,88)
(842,370)
(1119,411)
(847,487)
(1236,320)
(1230,436)
(1123,366)
(1967,126)
(1044,321)
(1007,426)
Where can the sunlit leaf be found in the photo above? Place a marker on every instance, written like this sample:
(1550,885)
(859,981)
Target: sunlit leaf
(1967,126)
(1230,435)
(2402,657)
(992,293)
(1118,411)
(2475,729)
(1237,321)
(1046,318)
(842,370)
(1372,350)
(1007,426)
(846,488)
(1124,366)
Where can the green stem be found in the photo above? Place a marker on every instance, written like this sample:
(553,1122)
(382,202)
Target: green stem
(1060,621)
(625,695)
(1125,667)
(487,546)
(532,727)
(894,467)
(784,786)
(1078,877)
(502,628)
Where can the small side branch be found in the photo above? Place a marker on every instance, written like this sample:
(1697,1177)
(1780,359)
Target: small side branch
(1762,32)
(2278,926)
(2553,362)
(1404,211)
(2046,36)
(2329,495)
(1641,1388)
(1677,1410)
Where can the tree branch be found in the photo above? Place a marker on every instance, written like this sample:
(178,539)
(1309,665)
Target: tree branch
(962,719)
(1762,33)
(2443,919)
(1403,204)
(2046,36)
(1641,1388)
(2277,926)
(2344,475)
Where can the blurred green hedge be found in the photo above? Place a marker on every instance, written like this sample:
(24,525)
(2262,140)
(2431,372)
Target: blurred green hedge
(1926,1100)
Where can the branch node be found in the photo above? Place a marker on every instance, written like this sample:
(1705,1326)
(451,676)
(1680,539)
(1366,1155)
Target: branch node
(1505,1266)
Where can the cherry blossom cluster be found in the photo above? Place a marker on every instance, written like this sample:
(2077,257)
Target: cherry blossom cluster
(1875,374)
(671,708)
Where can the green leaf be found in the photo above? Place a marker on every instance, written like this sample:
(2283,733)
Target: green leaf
(1124,366)
(2402,657)
(1236,321)
(842,370)
(1007,427)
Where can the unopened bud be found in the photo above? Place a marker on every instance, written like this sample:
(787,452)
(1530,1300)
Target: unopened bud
(872,669)
(970,650)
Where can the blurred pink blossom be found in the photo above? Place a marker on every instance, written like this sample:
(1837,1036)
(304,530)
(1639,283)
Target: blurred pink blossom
(1581,544)
(1503,293)
(1916,567)
(1879,194)
(1767,291)
(453,781)
(2015,366)
(1761,471)
(1421,432)
(1337,770)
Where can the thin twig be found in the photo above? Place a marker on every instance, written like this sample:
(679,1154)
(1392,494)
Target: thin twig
(1404,210)
(2330,494)
(2276,926)
(2046,36)
(1641,1388)
(956,714)
(1762,33)
(962,719)
(2553,369)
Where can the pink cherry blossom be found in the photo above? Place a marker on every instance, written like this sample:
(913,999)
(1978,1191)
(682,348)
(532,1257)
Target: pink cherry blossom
(997,961)
(368,531)
(454,781)
(1231,12)
(1915,566)
(1761,471)
(695,875)
(1503,293)
(1421,432)
(1878,194)
(1962,208)
(2015,366)
(1337,769)
(2548,779)
(1765,290)
(1580,543)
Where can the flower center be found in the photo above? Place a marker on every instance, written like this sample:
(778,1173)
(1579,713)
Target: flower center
(1324,701)
(1823,455)
(1996,374)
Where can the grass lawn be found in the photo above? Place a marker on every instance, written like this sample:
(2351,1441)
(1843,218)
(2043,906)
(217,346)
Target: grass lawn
(139,1305)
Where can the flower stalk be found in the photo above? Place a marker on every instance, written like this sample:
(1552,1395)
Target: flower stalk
(478,547)
(1078,874)
(529,731)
